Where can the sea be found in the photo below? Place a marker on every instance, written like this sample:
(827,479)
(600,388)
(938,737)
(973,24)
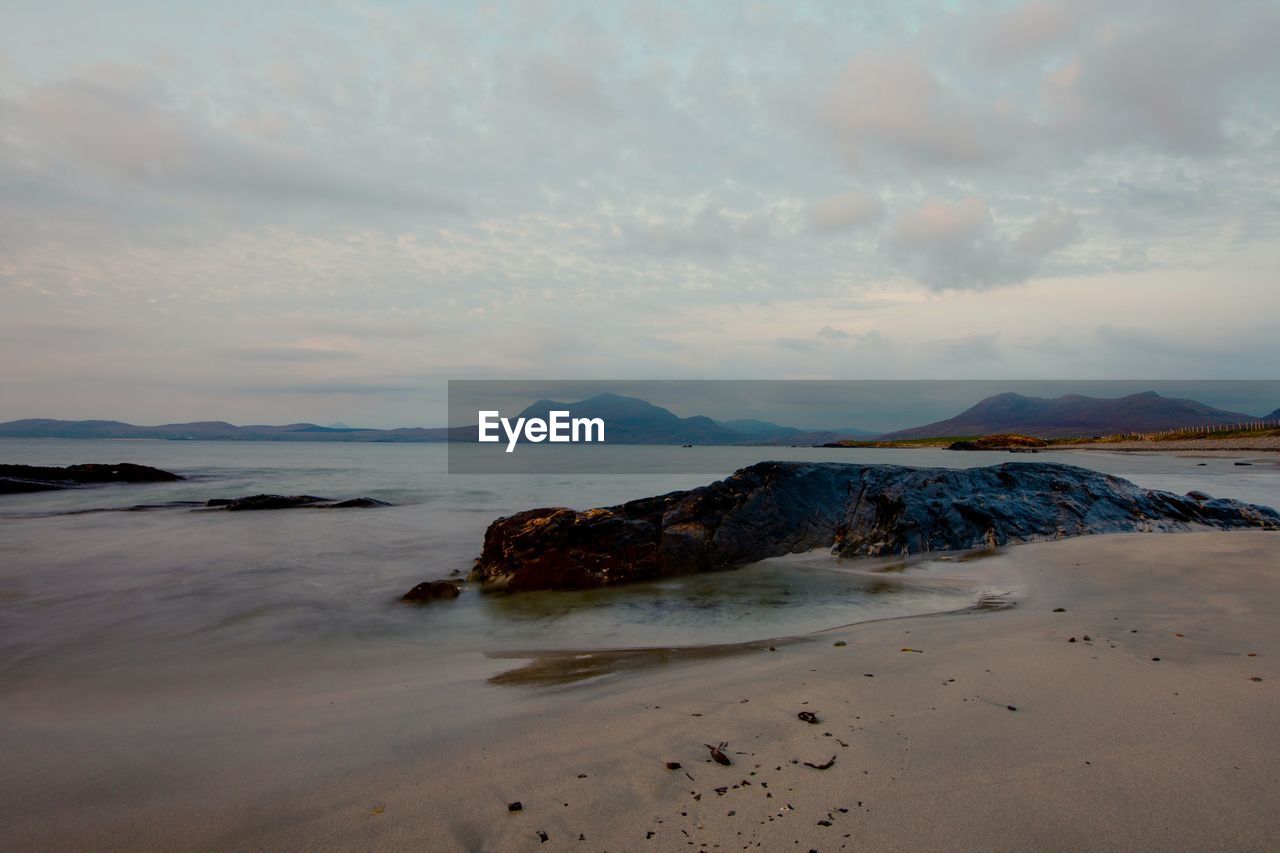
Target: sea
(91,583)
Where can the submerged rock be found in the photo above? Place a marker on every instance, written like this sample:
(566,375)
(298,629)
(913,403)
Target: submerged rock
(432,591)
(776,508)
(253,502)
(16,479)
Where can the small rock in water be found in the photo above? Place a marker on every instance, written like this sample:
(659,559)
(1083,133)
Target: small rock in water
(673,765)
(515,807)
(1072,640)
(1011,707)
(1059,610)
(808,717)
(839,643)
(543,837)
(431,591)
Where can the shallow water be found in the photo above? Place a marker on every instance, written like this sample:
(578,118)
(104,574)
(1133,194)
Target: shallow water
(121,591)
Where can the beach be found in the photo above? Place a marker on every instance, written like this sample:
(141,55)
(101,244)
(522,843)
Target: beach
(968,730)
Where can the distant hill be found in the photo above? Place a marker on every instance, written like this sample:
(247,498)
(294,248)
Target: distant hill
(212,431)
(1074,415)
(629,420)
(1274,416)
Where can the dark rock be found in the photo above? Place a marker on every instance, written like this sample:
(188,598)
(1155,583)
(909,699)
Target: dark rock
(673,765)
(1196,495)
(1243,464)
(776,508)
(433,591)
(808,717)
(18,479)
(265,502)
(515,807)
(10,486)
(1059,610)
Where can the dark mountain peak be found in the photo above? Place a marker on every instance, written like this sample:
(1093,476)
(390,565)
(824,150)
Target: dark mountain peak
(1075,415)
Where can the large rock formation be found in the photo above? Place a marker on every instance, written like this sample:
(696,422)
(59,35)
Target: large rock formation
(777,508)
(15,479)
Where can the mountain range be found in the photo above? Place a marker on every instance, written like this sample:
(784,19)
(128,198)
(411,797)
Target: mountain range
(631,420)
(1074,415)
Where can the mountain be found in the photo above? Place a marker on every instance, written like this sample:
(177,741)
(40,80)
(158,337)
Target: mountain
(211,431)
(1074,415)
(1274,416)
(630,420)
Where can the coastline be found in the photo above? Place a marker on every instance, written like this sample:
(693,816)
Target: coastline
(1107,748)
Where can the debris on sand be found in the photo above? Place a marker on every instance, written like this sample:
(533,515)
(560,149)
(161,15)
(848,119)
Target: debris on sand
(809,717)
(717,753)
(821,766)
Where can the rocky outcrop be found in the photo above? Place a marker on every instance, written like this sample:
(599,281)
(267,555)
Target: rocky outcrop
(263,502)
(429,591)
(777,508)
(16,479)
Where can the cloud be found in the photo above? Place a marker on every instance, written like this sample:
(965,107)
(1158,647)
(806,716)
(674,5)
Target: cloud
(891,103)
(956,245)
(845,211)
(561,188)
(568,89)
(115,120)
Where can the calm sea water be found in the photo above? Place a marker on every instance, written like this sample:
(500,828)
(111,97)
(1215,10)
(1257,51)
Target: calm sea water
(112,590)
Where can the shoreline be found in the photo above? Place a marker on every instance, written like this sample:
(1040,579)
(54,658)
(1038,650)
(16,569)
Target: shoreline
(1107,748)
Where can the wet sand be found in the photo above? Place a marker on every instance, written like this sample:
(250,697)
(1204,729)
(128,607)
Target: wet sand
(973,730)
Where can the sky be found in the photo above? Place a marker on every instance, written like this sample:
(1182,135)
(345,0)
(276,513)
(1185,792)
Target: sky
(322,211)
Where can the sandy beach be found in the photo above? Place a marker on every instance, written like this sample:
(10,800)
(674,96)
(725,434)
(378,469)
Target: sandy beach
(974,730)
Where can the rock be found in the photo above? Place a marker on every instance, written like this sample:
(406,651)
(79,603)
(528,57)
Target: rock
(515,807)
(428,591)
(777,508)
(357,503)
(263,502)
(10,486)
(1196,495)
(18,479)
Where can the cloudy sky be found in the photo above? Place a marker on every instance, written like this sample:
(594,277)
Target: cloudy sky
(269,212)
